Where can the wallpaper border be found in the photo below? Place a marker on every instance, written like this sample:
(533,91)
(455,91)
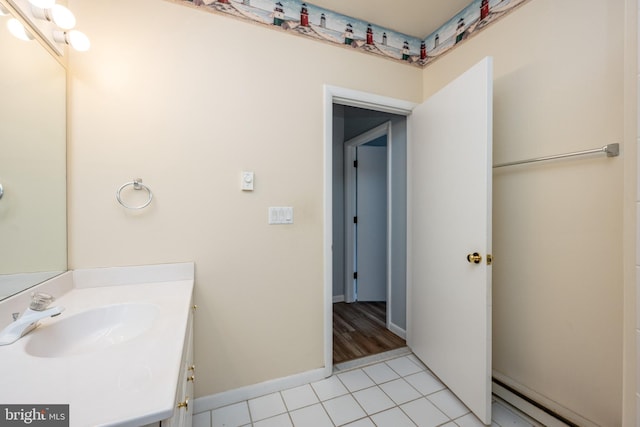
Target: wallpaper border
(307,20)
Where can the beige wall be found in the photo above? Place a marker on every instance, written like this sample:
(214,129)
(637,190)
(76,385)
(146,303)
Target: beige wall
(186,100)
(558,227)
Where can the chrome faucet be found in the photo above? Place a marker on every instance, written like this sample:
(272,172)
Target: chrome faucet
(22,325)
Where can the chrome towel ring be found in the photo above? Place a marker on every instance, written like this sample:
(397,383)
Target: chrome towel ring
(137,185)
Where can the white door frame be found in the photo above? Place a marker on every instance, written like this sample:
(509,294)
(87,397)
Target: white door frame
(350,174)
(351,98)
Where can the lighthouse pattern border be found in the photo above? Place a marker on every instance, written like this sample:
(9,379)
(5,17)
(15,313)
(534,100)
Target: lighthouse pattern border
(311,21)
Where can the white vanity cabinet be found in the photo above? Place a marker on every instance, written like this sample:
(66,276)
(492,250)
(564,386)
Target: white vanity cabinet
(182,415)
(184,397)
(183,403)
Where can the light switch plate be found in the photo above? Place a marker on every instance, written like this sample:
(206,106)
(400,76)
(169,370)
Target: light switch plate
(281,215)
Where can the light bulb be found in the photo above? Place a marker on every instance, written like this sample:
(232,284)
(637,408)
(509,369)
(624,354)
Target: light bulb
(58,14)
(43,4)
(76,39)
(17,29)
(62,17)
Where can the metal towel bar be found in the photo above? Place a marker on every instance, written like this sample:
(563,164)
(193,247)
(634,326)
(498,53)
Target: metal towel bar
(612,150)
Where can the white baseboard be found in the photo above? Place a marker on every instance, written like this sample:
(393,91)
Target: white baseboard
(218,400)
(338,298)
(398,331)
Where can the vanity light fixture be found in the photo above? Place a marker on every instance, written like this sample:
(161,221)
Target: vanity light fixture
(58,14)
(43,4)
(17,29)
(3,10)
(52,22)
(74,38)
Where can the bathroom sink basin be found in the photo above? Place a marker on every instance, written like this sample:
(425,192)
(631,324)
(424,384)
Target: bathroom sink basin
(91,330)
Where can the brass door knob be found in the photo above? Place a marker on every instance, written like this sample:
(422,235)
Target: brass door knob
(474,258)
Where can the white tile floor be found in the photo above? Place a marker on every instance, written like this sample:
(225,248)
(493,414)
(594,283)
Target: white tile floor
(394,393)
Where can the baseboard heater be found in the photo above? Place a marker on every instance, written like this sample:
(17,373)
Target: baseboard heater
(532,408)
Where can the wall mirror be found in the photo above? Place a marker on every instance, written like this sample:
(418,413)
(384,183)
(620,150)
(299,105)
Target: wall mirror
(33,217)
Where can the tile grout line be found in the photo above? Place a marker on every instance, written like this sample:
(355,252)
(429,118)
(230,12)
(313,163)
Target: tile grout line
(377,386)
(421,369)
(400,377)
(321,405)
(422,396)
(353,397)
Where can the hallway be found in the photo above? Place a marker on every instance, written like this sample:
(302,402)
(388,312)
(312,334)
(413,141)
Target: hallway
(359,330)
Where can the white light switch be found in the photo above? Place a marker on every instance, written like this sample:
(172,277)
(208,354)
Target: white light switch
(247,181)
(281,215)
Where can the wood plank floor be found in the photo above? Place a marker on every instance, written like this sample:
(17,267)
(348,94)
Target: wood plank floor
(359,330)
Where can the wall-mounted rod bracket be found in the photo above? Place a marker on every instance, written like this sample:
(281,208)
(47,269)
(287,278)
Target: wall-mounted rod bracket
(612,150)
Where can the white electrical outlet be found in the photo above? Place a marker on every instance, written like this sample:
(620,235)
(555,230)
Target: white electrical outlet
(281,215)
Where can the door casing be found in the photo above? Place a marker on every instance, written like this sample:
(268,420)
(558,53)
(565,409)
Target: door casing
(351,98)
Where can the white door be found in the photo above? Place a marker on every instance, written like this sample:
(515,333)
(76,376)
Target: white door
(450,179)
(371,228)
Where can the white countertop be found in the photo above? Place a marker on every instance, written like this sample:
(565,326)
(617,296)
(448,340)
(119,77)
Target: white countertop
(130,383)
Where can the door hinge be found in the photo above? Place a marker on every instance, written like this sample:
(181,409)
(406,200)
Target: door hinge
(355,163)
(355,274)
(355,219)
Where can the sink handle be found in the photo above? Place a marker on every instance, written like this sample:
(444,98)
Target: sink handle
(40,301)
